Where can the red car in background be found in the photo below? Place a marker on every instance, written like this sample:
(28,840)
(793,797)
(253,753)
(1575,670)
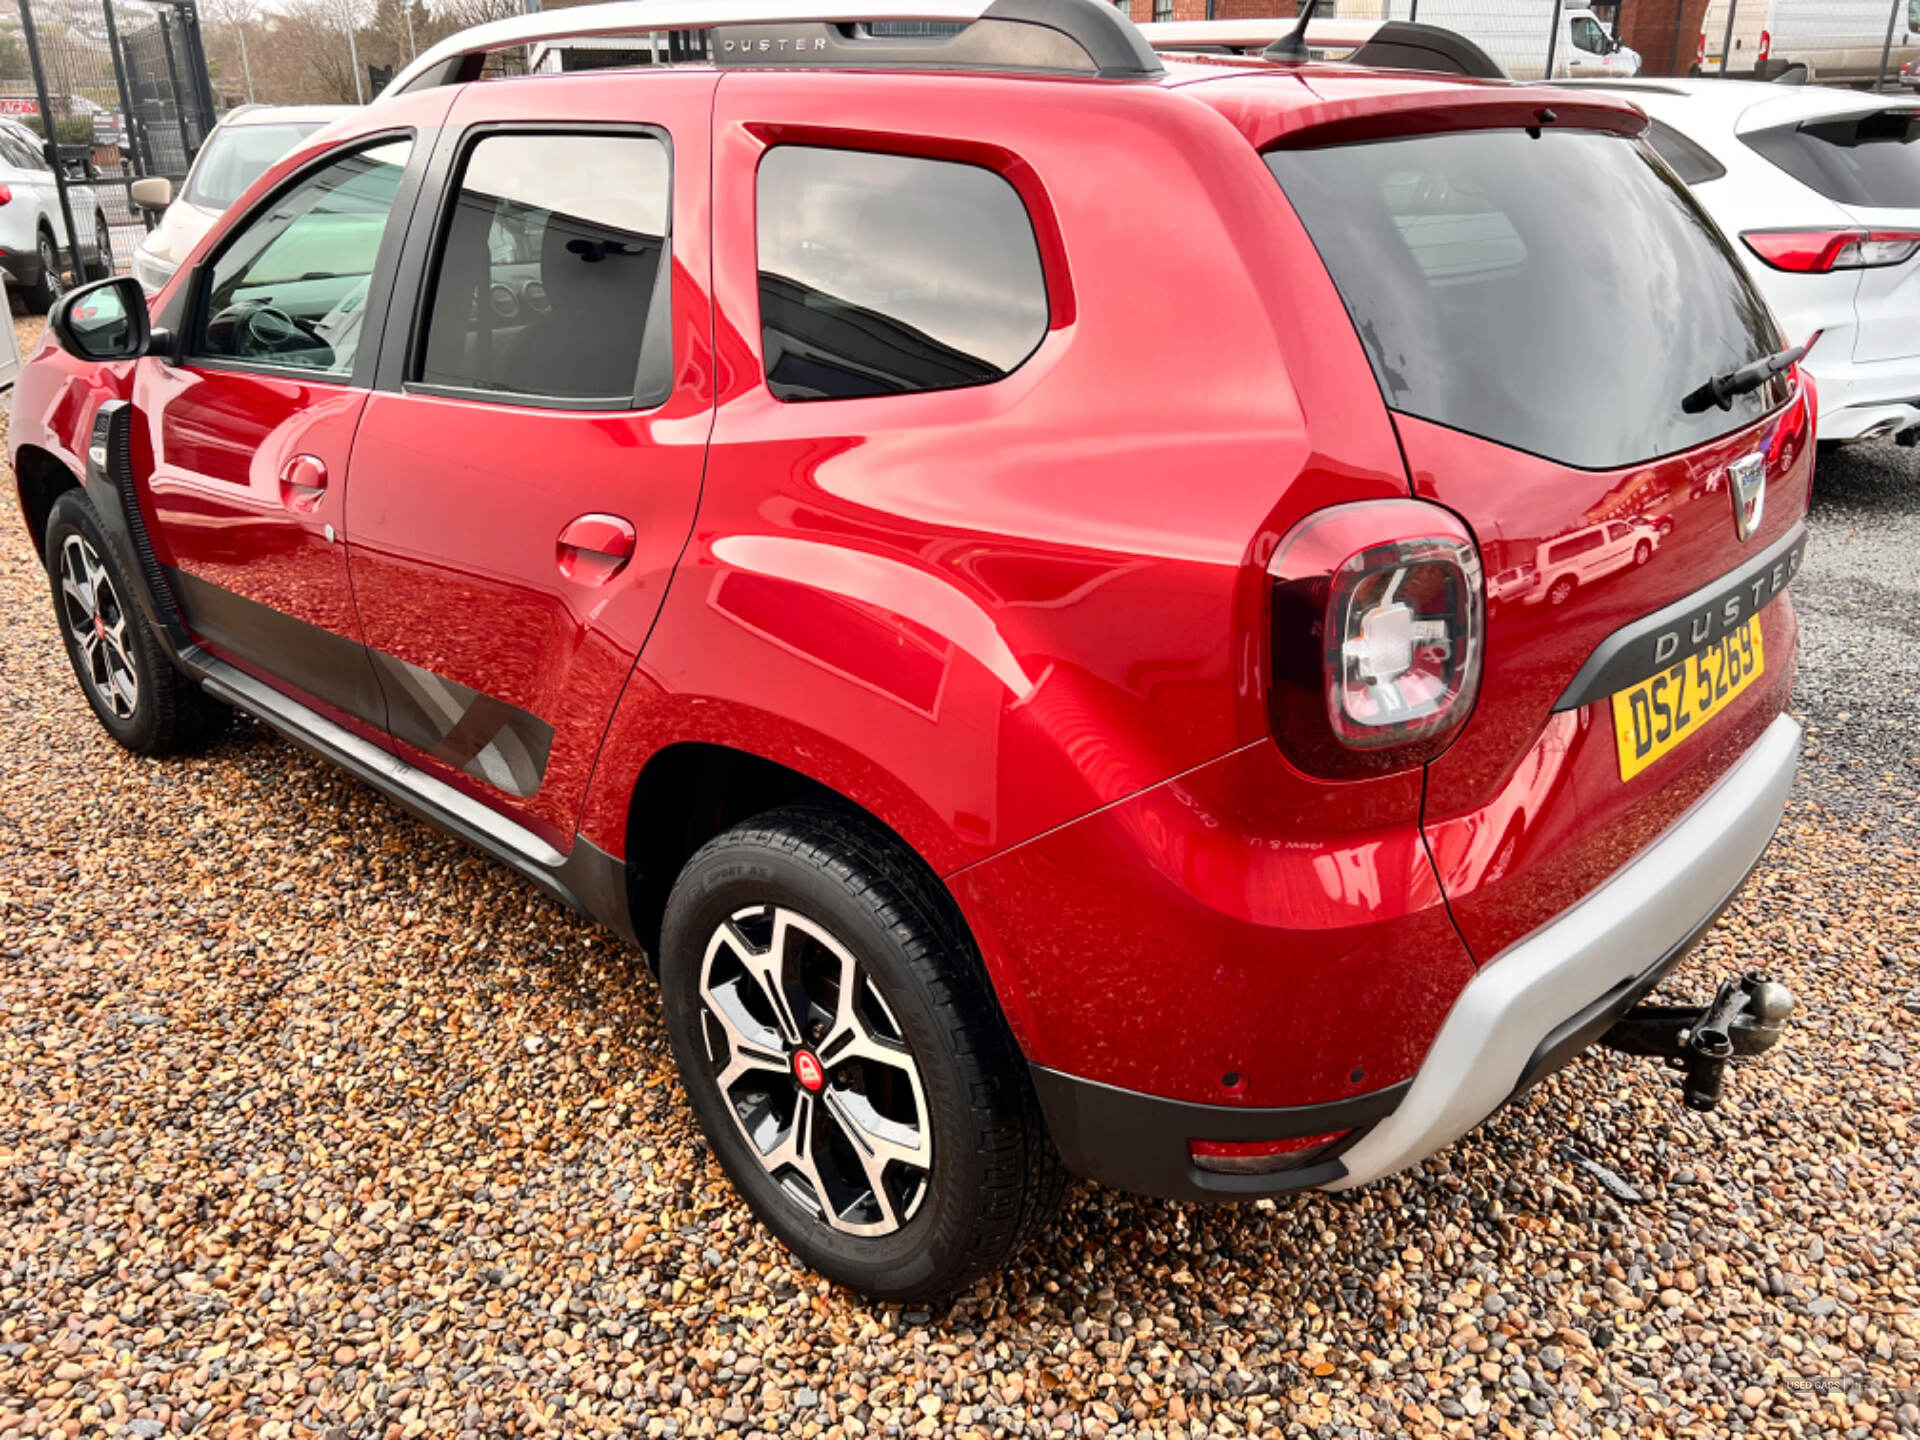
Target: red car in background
(966,544)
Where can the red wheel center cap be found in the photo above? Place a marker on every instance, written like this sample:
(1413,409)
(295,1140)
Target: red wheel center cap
(99,627)
(806,1069)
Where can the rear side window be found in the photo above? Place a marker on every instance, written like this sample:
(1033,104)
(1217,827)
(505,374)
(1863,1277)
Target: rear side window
(1559,295)
(889,274)
(550,271)
(1689,161)
(1869,159)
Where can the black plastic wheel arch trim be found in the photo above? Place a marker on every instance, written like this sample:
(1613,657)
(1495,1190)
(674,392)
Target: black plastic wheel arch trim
(1138,1142)
(109,487)
(1643,649)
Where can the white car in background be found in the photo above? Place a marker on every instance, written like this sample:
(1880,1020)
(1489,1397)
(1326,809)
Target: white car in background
(242,146)
(1818,190)
(33,232)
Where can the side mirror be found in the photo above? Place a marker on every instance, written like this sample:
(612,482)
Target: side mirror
(106,320)
(155,192)
(50,152)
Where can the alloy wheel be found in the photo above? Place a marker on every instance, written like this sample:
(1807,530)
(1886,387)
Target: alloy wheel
(815,1070)
(51,280)
(100,626)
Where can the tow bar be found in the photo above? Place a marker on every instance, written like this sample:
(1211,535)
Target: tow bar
(1746,1018)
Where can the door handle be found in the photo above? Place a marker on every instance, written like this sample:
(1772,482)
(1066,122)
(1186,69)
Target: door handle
(303,481)
(595,548)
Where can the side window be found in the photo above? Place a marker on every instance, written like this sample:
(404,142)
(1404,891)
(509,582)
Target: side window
(18,151)
(550,269)
(1691,163)
(1618,531)
(888,274)
(1588,35)
(289,288)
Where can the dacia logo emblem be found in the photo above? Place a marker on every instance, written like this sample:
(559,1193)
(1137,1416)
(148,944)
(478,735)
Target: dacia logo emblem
(1747,479)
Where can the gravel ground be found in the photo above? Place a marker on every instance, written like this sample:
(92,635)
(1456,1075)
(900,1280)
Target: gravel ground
(316,1123)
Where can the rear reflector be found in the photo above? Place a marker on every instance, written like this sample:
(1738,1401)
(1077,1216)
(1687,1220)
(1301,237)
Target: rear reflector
(1817,252)
(1261,1157)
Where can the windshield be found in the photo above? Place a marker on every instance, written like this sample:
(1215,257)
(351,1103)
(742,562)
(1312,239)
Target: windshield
(1555,291)
(237,155)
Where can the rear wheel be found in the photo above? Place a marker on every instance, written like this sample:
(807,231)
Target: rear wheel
(845,1057)
(1561,592)
(100,264)
(142,700)
(52,284)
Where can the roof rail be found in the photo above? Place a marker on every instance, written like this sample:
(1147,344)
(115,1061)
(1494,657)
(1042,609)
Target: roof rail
(1382,44)
(1085,37)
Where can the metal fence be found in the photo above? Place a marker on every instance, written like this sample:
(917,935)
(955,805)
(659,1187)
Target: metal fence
(118,89)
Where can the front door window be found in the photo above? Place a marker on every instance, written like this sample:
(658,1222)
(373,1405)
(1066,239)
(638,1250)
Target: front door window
(289,289)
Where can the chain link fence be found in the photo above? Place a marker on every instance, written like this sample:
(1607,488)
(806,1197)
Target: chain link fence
(101,92)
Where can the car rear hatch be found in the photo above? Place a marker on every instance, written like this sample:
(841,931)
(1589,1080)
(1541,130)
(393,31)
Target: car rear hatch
(1538,298)
(1867,162)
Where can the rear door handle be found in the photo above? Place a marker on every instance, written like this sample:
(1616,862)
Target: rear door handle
(594,548)
(303,480)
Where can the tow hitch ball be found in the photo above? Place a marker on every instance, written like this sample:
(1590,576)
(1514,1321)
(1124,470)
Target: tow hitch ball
(1746,1018)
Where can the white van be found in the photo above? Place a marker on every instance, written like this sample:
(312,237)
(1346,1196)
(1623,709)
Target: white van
(1840,41)
(1514,32)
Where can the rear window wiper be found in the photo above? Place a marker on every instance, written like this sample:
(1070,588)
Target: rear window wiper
(1721,389)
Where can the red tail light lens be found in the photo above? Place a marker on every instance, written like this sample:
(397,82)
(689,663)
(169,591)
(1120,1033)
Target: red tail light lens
(6,194)
(1816,252)
(1261,1157)
(1766,46)
(1378,619)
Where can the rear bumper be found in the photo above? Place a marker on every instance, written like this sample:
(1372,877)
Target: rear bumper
(1867,401)
(1531,1009)
(1534,1000)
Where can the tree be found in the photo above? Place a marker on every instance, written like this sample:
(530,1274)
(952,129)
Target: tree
(239,14)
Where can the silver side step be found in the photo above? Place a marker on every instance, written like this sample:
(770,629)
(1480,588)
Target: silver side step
(427,797)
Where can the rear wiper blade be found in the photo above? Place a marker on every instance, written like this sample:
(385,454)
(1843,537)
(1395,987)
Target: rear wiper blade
(1721,389)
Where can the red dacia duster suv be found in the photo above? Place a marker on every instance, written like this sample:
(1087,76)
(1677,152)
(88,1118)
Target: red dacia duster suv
(968,542)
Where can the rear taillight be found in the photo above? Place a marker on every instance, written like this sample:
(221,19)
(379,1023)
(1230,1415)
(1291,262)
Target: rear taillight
(6,194)
(1377,626)
(1815,252)
(1766,45)
(1700,49)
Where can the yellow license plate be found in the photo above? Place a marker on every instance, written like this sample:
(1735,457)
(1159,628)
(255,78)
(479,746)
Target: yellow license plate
(1651,718)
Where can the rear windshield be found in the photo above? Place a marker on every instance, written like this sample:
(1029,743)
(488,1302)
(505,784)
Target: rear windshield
(1871,160)
(1559,294)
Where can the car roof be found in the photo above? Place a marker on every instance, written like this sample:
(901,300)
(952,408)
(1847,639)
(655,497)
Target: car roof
(1740,105)
(287,114)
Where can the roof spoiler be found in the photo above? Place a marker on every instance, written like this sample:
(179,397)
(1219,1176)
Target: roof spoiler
(1084,37)
(1382,44)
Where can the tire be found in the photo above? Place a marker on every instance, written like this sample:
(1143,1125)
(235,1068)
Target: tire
(1561,592)
(1643,552)
(142,700)
(100,265)
(51,285)
(920,1061)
